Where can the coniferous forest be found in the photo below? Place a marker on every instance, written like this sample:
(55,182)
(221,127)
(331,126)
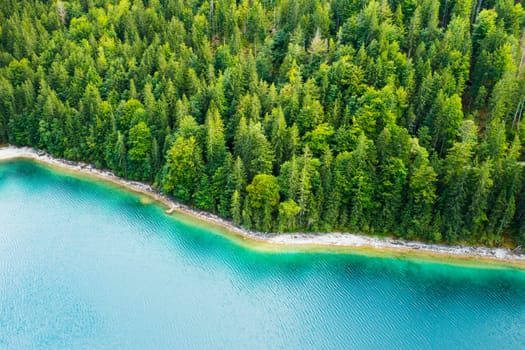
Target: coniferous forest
(396,117)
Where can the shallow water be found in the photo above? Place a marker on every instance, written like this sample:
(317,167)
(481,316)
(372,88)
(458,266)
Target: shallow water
(84,265)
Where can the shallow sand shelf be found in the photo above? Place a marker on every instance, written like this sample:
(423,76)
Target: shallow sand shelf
(337,241)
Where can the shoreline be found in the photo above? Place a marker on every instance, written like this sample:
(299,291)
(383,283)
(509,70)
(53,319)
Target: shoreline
(472,256)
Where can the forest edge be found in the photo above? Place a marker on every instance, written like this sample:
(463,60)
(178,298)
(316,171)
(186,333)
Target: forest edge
(336,242)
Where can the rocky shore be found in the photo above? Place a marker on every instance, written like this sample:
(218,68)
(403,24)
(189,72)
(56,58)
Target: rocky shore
(337,240)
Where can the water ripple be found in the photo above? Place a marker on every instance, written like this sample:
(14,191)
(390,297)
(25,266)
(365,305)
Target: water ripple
(84,265)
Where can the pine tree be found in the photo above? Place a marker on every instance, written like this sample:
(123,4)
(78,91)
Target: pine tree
(457,170)
(215,142)
(421,197)
(139,152)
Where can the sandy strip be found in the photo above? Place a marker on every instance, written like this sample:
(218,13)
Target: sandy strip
(341,242)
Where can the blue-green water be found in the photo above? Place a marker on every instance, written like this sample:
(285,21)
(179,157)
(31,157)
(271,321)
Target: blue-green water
(84,265)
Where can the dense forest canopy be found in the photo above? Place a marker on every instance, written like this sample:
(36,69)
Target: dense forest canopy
(399,117)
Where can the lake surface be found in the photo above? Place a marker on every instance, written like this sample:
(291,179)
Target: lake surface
(85,265)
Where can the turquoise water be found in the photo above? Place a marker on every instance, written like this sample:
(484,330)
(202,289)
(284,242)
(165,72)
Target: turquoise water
(84,265)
